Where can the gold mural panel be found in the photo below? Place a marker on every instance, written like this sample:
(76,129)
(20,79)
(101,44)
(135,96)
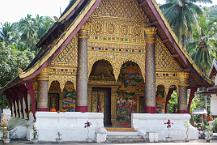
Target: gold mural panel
(114,32)
(116,57)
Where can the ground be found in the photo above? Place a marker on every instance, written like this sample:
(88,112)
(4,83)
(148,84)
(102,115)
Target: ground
(196,142)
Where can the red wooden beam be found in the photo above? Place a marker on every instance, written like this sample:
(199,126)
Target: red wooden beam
(10,102)
(11,95)
(20,93)
(31,92)
(26,103)
(24,92)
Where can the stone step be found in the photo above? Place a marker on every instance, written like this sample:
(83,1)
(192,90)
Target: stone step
(124,137)
(126,140)
(116,129)
(122,133)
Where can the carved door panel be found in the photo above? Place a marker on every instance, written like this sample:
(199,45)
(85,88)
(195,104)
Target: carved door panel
(101,102)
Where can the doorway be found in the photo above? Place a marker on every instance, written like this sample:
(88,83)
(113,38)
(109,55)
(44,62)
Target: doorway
(101,102)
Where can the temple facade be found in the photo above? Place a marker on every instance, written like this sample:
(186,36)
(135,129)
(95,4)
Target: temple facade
(108,56)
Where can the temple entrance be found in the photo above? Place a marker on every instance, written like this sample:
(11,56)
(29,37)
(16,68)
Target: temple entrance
(54,95)
(102,103)
(101,81)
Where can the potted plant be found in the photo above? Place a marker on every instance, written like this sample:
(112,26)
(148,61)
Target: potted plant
(186,124)
(208,132)
(169,125)
(34,134)
(5,137)
(87,125)
(58,139)
(4,124)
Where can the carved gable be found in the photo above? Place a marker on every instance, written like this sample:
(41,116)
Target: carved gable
(68,57)
(164,60)
(117,24)
(129,9)
(116,34)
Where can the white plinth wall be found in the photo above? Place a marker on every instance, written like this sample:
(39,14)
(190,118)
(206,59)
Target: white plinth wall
(154,123)
(70,125)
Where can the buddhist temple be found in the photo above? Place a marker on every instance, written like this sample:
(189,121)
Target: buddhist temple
(108,60)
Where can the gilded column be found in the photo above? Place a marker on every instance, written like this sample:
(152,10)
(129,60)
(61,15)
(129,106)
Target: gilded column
(183,97)
(42,102)
(82,72)
(150,80)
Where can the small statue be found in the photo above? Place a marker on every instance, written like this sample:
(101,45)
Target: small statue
(4,125)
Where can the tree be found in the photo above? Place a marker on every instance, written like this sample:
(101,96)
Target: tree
(32,29)
(8,33)
(203,45)
(29,32)
(182,16)
(43,23)
(17,46)
(8,67)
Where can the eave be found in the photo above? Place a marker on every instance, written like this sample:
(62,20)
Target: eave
(171,42)
(62,41)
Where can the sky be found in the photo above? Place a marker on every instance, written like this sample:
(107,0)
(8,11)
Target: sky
(14,10)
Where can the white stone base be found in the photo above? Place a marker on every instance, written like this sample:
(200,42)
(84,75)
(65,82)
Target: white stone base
(70,125)
(154,123)
(18,128)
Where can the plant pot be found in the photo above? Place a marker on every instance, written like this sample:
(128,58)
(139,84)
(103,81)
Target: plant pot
(168,139)
(34,141)
(6,141)
(186,140)
(58,140)
(89,140)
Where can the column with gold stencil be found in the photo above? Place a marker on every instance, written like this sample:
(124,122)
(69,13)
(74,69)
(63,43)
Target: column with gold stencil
(150,79)
(183,97)
(82,71)
(43,78)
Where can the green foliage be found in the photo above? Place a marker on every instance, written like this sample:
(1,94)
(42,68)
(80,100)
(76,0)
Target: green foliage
(18,46)
(215,125)
(198,102)
(182,16)
(173,103)
(202,46)
(195,27)
(32,29)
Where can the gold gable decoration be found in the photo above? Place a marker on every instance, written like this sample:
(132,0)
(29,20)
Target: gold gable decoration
(120,8)
(164,60)
(67,56)
(117,24)
(115,32)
